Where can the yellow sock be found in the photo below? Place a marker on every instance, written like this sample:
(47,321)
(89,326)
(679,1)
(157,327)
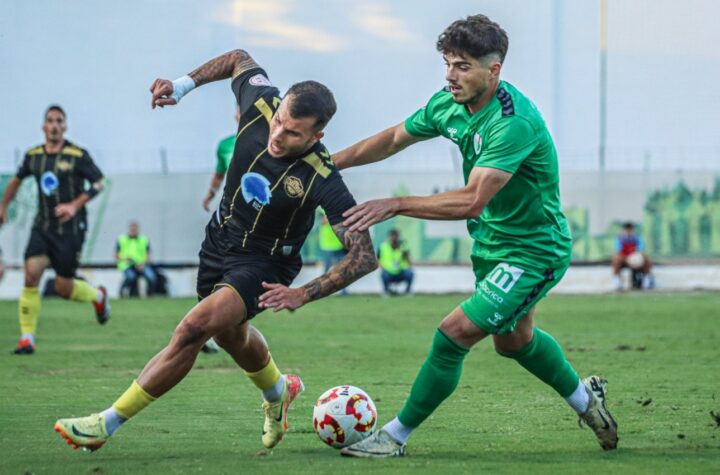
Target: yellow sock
(83,292)
(266,377)
(29,309)
(134,400)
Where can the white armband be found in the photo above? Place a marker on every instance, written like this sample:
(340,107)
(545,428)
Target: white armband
(182,86)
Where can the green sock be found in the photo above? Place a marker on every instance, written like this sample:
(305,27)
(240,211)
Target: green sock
(437,379)
(544,358)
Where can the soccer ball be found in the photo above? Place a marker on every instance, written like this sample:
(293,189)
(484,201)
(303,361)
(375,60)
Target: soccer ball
(635,260)
(343,416)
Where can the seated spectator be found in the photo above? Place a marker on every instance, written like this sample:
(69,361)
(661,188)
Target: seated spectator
(132,253)
(394,260)
(629,252)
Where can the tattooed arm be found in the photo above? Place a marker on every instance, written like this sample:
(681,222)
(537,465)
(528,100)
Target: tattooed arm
(225,66)
(359,261)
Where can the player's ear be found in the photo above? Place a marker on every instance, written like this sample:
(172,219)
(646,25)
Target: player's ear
(318,135)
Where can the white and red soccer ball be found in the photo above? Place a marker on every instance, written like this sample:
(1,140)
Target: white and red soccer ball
(343,416)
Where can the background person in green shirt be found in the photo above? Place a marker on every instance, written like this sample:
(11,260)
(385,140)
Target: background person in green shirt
(224,154)
(511,202)
(394,260)
(132,253)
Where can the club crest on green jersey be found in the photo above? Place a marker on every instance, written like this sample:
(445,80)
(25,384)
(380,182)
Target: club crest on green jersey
(477,143)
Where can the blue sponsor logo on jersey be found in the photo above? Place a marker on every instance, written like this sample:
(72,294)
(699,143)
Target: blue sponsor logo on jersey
(255,188)
(49,183)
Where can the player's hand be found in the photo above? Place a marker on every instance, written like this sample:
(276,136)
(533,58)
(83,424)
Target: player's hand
(279,297)
(361,217)
(65,212)
(161,90)
(207,200)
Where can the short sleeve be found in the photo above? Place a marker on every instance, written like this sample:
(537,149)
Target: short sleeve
(420,124)
(24,168)
(618,244)
(250,85)
(335,198)
(87,168)
(640,245)
(507,145)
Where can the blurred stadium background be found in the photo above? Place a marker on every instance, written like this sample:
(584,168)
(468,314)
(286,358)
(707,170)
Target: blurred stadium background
(627,88)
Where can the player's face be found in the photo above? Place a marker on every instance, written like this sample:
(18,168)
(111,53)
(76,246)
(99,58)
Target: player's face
(54,126)
(469,78)
(290,136)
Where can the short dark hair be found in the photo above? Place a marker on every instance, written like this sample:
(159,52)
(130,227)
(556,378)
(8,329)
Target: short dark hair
(312,99)
(476,36)
(55,107)
(393,232)
(628,225)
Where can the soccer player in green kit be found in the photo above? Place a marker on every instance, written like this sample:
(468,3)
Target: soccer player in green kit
(511,202)
(224,153)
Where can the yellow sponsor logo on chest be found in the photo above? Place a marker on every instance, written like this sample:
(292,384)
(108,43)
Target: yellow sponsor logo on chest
(293,187)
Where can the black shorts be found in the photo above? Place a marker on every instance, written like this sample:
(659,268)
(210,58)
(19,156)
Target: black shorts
(62,249)
(221,264)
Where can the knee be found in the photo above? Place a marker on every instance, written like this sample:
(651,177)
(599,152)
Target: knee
(512,345)
(191,332)
(63,287)
(463,331)
(31,280)
(232,337)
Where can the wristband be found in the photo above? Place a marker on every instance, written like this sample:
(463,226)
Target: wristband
(182,86)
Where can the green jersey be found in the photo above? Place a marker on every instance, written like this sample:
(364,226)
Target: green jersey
(524,221)
(225,150)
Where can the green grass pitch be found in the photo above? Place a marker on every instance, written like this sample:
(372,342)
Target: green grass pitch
(660,352)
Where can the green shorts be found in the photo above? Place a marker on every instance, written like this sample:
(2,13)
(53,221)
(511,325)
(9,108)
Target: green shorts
(504,292)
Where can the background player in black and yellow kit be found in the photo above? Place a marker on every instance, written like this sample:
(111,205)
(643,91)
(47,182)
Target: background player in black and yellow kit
(280,173)
(60,169)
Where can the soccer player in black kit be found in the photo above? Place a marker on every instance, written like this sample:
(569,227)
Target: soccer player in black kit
(61,170)
(280,173)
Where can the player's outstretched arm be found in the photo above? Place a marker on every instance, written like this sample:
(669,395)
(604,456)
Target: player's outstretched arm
(10,191)
(464,203)
(169,93)
(378,147)
(359,261)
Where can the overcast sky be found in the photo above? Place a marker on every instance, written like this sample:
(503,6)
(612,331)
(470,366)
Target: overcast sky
(98,58)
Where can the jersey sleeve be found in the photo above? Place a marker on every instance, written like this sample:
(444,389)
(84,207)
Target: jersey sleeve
(87,168)
(24,168)
(251,84)
(335,198)
(421,123)
(640,245)
(507,145)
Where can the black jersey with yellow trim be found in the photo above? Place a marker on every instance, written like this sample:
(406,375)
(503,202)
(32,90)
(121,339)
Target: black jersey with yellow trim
(268,204)
(61,177)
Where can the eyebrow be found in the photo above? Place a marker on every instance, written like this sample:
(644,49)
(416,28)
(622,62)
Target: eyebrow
(456,63)
(292,131)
